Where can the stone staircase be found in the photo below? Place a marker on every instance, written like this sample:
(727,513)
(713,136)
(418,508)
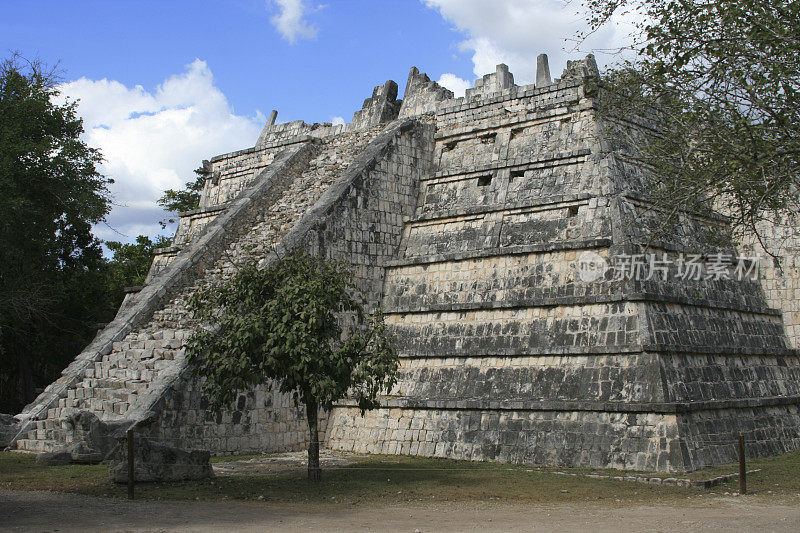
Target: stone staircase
(109,389)
(139,368)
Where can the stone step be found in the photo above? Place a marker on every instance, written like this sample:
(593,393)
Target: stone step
(62,411)
(104,402)
(140,354)
(79,398)
(156,339)
(126,395)
(37,445)
(52,423)
(115,395)
(157,361)
(134,385)
(54,435)
(137,380)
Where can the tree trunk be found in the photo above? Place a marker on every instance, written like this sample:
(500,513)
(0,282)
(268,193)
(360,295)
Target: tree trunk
(314,471)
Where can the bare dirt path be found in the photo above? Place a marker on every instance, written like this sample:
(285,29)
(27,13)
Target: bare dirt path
(50,511)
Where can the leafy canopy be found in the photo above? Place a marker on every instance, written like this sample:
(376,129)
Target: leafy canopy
(52,190)
(284,323)
(51,265)
(187,199)
(130,263)
(725,77)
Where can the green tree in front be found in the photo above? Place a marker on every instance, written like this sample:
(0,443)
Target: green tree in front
(284,323)
(51,266)
(724,80)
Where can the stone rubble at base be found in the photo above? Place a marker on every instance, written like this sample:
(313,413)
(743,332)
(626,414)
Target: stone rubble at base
(462,218)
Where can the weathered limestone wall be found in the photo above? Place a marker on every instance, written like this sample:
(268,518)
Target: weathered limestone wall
(779,269)
(642,441)
(508,355)
(530,379)
(421,95)
(769,430)
(261,420)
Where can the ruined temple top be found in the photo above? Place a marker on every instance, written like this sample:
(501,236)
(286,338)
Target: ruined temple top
(422,96)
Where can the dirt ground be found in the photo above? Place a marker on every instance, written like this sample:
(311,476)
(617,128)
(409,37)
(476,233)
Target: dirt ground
(50,511)
(284,462)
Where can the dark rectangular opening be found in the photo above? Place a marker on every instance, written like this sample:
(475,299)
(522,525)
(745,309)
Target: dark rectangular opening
(572,211)
(483,181)
(516,174)
(449,146)
(488,138)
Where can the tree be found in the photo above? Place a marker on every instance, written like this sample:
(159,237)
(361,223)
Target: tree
(50,263)
(186,199)
(129,264)
(722,80)
(285,323)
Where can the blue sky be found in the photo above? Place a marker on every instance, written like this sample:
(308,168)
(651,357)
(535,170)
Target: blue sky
(165,84)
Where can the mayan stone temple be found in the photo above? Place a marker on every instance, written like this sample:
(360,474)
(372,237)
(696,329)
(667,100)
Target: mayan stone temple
(484,227)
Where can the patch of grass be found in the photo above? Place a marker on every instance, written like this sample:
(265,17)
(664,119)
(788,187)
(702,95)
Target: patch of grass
(778,475)
(374,480)
(20,472)
(389,480)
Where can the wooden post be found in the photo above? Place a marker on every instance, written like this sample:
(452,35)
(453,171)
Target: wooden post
(742,467)
(130,464)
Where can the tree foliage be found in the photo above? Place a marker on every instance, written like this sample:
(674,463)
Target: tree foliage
(187,199)
(285,323)
(130,263)
(51,266)
(723,78)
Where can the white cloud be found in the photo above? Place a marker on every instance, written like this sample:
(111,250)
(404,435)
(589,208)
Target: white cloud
(153,140)
(450,81)
(336,121)
(515,32)
(289,21)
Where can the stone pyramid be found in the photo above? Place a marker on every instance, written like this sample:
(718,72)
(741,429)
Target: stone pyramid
(503,235)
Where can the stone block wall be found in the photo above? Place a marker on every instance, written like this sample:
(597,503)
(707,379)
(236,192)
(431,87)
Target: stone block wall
(641,441)
(507,355)
(260,420)
(769,430)
(421,95)
(483,380)
(779,269)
